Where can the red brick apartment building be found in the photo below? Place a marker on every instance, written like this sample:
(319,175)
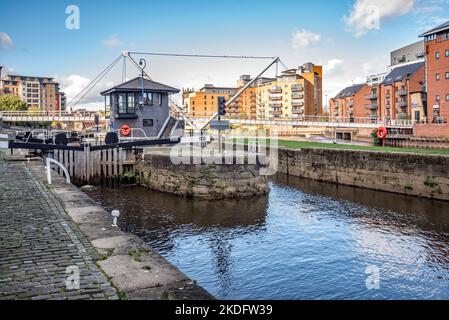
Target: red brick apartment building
(350,103)
(437,83)
(437,72)
(401,95)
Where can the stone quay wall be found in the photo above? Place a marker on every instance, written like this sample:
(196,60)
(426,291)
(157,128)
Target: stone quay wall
(412,174)
(201,181)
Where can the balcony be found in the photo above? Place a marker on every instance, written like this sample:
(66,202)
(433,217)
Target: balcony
(275,113)
(299,103)
(402,116)
(372,96)
(275,90)
(401,104)
(351,103)
(275,104)
(297,88)
(402,92)
(387,106)
(387,96)
(276,97)
(296,95)
(372,106)
(298,110)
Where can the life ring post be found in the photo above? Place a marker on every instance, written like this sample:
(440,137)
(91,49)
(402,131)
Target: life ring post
(125,130)
(382,133)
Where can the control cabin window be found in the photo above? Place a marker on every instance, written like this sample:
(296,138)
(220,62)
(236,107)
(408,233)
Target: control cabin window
(125,105)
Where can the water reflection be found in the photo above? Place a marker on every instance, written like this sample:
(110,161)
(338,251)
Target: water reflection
(306,240)
(160,218)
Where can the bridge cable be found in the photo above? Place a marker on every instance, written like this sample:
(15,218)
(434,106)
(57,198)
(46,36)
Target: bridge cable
(200,55)
(101,76)
(105,70)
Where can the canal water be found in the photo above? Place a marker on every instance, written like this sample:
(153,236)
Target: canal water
(306,240)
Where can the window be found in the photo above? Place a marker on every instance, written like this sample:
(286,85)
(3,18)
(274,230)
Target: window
(148,98)
(148,122)
(437,55)
(447,75)
(125,104)
(437,98)
(122,103)
(437,76)
(447,97)
(131,106)
(447,53)
(160,99)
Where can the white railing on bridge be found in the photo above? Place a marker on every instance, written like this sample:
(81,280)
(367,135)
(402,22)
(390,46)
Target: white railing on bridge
(29,116)
(318,121)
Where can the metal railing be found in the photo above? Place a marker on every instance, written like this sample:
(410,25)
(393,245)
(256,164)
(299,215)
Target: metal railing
(320,121)
(51,161)
(39,116)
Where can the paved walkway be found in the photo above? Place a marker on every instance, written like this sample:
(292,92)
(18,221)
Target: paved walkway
(38,242)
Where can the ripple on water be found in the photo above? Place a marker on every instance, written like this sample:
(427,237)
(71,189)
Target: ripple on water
(306,240)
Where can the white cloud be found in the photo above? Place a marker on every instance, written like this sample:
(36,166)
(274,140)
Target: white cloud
(377,64)
(72,85)
(333,67)
(112,41)
(7,70)
(6,42)
(303,38)
(367,15)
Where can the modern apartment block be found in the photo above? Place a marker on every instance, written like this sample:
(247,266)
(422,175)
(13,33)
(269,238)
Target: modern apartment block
(409,54)
(61,101)
(437,72)
(401,96)
(350,103)
(376,79)
(294,94)
(40,93)
(204,103)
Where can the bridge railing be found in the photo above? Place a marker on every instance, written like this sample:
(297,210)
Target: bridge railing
(73,116)
(317,121)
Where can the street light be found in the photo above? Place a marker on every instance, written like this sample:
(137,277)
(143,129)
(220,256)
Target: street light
(143,64)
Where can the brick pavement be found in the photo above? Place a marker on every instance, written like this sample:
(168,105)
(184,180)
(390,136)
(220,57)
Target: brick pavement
(38,242)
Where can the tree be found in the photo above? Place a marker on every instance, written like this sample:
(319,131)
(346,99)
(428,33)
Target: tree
(9,102)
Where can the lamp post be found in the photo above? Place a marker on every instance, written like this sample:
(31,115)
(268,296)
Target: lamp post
(143,64)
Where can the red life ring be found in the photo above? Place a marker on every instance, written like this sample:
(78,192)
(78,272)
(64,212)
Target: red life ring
(382,133)
(125,130)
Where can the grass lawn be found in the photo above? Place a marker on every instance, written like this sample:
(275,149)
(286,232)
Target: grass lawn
(305,144)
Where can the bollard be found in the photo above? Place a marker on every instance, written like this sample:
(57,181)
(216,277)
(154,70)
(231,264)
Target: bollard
(115,214)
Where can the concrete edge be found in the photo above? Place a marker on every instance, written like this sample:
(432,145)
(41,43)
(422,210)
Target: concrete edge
(134,268)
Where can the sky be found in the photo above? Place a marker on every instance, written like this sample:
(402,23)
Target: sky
(350,38)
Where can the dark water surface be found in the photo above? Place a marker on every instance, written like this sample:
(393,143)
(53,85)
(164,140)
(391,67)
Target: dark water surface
(306,240)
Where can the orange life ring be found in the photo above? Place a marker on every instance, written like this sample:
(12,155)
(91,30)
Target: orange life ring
(125,130)
(382,133)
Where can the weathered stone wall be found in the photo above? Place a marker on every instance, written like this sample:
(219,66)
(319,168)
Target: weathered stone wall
(201,181)
(413,174)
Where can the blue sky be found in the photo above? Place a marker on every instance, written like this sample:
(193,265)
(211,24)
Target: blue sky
(34,39)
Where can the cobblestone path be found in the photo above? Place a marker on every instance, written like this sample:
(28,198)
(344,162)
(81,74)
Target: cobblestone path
(40,247)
